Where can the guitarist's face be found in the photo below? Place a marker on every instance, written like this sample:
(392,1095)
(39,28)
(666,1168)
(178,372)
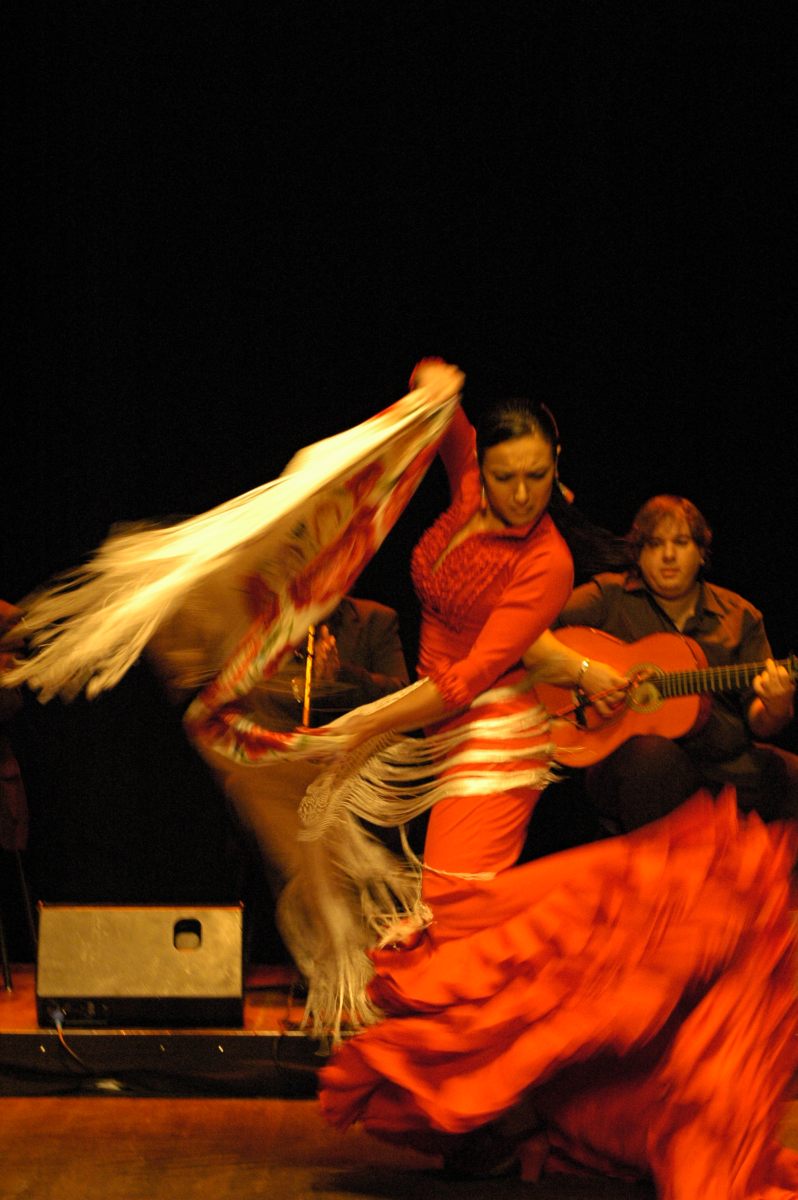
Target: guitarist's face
(670,560)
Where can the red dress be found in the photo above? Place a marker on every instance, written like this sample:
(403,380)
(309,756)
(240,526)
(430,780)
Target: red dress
(639,991)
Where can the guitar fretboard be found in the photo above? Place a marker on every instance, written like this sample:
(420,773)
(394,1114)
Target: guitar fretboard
(728,678)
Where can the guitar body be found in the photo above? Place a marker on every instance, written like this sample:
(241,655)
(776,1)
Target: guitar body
(583,737)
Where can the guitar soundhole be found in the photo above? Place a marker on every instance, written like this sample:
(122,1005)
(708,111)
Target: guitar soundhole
(644,696)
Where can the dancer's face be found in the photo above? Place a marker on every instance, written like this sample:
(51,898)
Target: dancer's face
(670,560)
(518,476)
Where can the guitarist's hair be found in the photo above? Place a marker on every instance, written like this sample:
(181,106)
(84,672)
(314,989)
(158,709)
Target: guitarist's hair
(677,508)
(593,548)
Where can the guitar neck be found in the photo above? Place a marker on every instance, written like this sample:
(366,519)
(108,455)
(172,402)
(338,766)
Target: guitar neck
(730,678)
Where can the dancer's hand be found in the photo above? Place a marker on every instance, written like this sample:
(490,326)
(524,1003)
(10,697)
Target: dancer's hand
(414,707)
(441,378)
(349,730)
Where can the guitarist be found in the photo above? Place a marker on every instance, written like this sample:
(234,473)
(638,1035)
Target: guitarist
(665,592)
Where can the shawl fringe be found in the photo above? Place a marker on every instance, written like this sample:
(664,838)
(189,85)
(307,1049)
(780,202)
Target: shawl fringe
(352,895)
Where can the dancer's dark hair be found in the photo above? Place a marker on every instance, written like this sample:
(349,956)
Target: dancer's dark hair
(594,549)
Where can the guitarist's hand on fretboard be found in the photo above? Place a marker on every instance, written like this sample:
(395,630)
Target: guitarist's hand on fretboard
(775,703)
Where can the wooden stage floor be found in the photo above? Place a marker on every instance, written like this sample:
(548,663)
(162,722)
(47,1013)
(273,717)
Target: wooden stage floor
(213,1115)
(270,1055)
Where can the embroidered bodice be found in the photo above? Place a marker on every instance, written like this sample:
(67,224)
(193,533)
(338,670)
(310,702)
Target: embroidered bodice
(493,594)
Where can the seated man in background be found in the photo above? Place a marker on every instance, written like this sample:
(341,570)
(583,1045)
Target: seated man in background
(665,592)
(357,657)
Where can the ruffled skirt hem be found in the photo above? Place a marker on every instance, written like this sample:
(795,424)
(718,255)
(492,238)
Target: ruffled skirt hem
(639,993)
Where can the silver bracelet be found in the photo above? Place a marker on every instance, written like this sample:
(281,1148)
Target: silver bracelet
(580,674)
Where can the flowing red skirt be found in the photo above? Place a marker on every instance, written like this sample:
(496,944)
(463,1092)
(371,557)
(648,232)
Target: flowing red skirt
(639,992)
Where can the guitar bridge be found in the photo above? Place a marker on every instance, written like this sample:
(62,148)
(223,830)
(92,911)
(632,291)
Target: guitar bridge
(581,703)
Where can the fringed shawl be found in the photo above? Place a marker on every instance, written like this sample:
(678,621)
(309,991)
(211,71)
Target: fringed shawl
(286,553)
(289,550)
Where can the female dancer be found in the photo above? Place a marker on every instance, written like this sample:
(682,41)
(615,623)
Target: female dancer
(627,1006)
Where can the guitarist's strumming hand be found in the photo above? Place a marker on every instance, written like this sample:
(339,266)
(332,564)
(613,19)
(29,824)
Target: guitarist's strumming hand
(603,686)
(550,661)
(775,700)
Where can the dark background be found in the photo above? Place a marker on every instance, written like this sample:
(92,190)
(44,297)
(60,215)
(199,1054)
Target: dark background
(235,228)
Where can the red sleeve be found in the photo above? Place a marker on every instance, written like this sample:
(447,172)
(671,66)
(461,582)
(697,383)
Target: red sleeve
(528,606)
(458,450)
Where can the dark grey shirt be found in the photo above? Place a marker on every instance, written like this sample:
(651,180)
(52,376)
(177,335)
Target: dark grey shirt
(728,630)
(372,665)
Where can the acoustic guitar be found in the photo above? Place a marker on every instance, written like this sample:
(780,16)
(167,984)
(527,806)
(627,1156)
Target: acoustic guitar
(669,692)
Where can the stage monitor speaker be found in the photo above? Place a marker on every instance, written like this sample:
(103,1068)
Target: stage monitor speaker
(140,966)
